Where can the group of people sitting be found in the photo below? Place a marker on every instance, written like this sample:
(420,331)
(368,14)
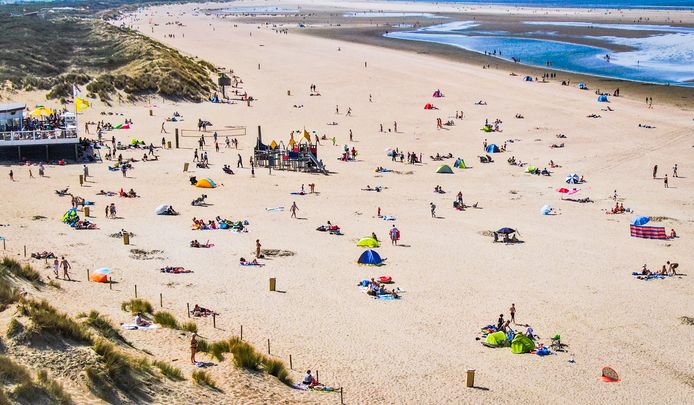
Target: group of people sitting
(332,229)
(130,194)
(439,157)
(486,159)
(668,269)
(219,223)
(227,169)
(374,288)
(543,172)
(438,189)
(506,238)
(43,255)
(619,209)
(369,188)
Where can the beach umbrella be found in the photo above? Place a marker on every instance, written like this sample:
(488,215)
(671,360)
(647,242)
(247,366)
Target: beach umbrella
(545,210)
(368,242)
(640,220)
(506,231)
(103,270)
(40,111)
(573,178)
(562,190)
(161,209)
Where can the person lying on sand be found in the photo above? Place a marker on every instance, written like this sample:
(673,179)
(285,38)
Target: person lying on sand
(244,262)
(554,145)
(645,126)
(520,117)
(200,311)
(481,102)
(593,116)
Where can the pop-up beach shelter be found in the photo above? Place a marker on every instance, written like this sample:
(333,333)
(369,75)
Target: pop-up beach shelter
(496,339)
(640,220)
(582,86)
(528,79)
(428,106)
(460,164)
(522,344)
(162,209)
(530,169)
(205,183)
(492,148)
(444,169)
(603,98)
(437,94)
(370,258)
(368,242)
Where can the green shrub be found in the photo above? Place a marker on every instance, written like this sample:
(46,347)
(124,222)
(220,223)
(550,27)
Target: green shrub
(136,305)
(169,371)
(166,319)
(245,356)
(189,327)
(202,378)
(277,368)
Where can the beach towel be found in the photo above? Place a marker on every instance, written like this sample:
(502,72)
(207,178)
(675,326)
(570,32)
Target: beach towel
(388,218)
(297,193)
(275,209)
(251,264)
(132,326)
(386,297)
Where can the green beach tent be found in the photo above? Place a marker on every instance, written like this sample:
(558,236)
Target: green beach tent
(445,169)
(530,169)
(497,339)
(368,242)
(522,344)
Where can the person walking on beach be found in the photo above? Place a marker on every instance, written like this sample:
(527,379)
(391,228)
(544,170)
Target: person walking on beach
(106,210)
(239,163)
(337,109)
(257,247)
(163,130)
(31,175)
(674,171)
(195,155)
(294,208)
(193,348)
(394,235)
(349,112)
(433,209)
(513,313)
(665,182)
(11,175)
(350,138)
(395,126)
(112,210)
(226,143)
(655,171)
(66,266)
(85,171)
(56,267)
(124,170)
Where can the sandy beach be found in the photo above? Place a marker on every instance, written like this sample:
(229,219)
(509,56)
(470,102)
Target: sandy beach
(572,275)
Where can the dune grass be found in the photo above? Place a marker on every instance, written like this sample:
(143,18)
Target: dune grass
(169,371)
(137,305)
(26,389)
(25,272)
(123,370)
(168,320)
(104,327)
(245,356)
(47,320)
(203,379)
(14,328)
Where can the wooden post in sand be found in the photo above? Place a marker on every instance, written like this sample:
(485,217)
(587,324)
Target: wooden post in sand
(135,290)
(188,306)
(317,376)
(185,166)
(161,300)
(241,332)
(470,380)
(126,238)
(342,401)
(268,346)
(25,250)
(214,320)
(291,365)
(87,274)
(176,132)
(3,244)
(273,284)
(81,179)
(110,283)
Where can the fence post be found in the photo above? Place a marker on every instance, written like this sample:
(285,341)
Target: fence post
(188,306)
(135,290)
(291,365)
(241,332)
(342,401)
(268,346)
(317,376)
(3,245)
(25,250)
(161,300)
(87,274)
(214,320)
(176,131)
(110,283)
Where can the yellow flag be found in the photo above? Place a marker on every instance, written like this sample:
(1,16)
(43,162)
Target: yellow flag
(307,135)
(81,104)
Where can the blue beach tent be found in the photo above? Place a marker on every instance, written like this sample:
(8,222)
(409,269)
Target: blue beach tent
(640,220)
(603,98)
(492,148)
(370,258)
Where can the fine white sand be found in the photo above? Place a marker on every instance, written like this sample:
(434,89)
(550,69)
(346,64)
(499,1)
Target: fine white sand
(572,276)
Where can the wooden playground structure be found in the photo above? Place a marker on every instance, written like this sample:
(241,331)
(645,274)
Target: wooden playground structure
(301,155)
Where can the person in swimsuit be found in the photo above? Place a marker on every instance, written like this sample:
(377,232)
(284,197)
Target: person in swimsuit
(193,347)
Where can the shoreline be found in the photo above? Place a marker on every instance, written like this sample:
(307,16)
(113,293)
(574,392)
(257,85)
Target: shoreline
(678,96)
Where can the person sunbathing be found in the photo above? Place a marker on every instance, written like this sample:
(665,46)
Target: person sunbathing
(645,271)
(512,160)
(673,234)
(132,193)
(139,321)
(200,311)
(194,243)
(244,262)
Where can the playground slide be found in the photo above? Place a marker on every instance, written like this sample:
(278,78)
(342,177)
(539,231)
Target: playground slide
(318,164)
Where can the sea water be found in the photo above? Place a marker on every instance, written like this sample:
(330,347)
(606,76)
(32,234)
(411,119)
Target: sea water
(664,55)
(640,4)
